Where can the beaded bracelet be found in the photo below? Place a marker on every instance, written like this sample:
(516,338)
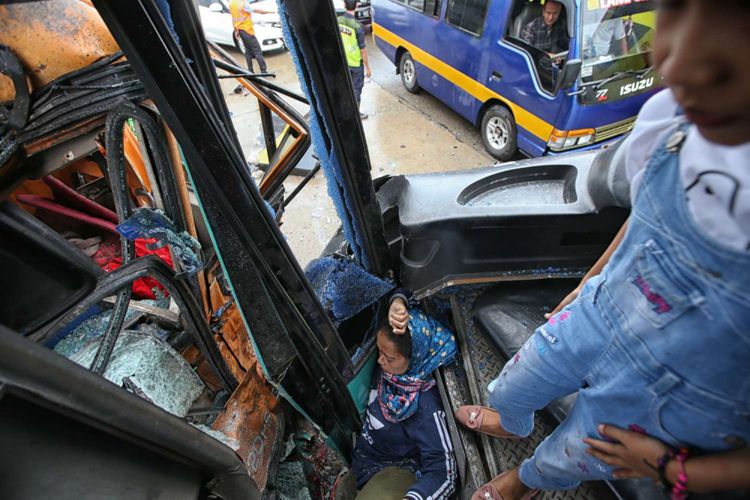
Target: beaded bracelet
(679,488)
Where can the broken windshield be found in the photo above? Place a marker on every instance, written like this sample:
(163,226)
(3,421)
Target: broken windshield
(616,37)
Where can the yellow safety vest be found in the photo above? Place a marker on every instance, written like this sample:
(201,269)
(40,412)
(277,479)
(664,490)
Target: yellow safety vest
(348,28)
(241,19)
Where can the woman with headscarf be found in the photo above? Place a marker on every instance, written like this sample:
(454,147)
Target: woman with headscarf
(404,450)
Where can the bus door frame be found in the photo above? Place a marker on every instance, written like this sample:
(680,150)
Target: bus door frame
(527,141)
(297,344)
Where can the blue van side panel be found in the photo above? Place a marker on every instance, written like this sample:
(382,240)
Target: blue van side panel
(519,84)
(427,33)
(530,144)
(456,98)
(466,54)
(387,49)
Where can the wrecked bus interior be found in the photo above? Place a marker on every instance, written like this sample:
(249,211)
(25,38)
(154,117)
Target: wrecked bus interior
(158,338)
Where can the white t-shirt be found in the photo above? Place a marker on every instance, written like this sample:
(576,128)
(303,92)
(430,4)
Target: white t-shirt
(716,178)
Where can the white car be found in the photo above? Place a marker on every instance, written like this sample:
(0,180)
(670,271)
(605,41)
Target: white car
(217,24)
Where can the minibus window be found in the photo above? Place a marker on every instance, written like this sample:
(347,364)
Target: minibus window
(616,37)
(432,8)
(467,14)
(547,48)
(416,4)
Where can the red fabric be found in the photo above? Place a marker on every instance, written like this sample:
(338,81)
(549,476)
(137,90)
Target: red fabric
(108,258)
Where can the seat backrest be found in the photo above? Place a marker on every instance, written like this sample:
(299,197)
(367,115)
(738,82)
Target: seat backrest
(529,12)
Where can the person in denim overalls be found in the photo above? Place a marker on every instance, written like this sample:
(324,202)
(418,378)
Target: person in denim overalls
(659,341)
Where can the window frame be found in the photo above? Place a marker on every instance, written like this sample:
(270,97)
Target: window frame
(522,47)
(461,28)
(436,15)
(436,11)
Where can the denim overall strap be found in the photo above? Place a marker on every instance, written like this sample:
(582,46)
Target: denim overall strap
(679,300)
(666,209)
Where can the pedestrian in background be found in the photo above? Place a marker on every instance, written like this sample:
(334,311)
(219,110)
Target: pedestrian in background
(242,18)
(353,38)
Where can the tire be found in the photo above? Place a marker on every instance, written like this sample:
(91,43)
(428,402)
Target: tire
(408,70)
(499,133)
(238,43)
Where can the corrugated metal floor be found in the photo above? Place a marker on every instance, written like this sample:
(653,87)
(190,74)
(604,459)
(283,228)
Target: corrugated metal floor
(465,383)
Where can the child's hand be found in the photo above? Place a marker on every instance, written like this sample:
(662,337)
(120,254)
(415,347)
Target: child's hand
(398,316)
(633,454)
(564,302)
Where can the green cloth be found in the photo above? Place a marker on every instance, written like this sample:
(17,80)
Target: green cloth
(348,28)
(390,483)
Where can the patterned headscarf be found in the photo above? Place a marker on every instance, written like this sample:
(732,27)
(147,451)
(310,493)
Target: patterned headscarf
(432,345)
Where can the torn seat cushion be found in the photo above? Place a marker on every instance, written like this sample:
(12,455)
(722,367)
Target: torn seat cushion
(509,312)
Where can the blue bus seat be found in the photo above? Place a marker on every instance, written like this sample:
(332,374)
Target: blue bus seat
(529,12)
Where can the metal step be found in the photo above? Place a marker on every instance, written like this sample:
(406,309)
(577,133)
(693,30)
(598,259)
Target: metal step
(481,457)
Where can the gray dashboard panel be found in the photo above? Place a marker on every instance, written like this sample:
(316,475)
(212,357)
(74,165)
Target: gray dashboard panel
(530,219)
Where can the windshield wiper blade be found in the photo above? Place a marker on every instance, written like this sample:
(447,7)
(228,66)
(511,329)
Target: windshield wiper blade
(638,73)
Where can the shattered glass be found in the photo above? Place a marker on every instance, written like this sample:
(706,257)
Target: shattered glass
(88,331)
(150,368)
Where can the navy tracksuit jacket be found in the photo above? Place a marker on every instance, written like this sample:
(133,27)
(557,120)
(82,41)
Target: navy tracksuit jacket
(420,443)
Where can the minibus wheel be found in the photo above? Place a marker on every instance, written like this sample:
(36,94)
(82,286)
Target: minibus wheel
(408,71)
(498,131)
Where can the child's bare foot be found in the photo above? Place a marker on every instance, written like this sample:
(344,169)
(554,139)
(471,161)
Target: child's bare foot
(506,486)
(484,420)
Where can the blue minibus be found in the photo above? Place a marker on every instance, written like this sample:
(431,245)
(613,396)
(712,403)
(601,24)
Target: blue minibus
(474,56)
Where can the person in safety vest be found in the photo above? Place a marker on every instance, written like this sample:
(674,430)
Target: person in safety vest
(353,38)
(242,19)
